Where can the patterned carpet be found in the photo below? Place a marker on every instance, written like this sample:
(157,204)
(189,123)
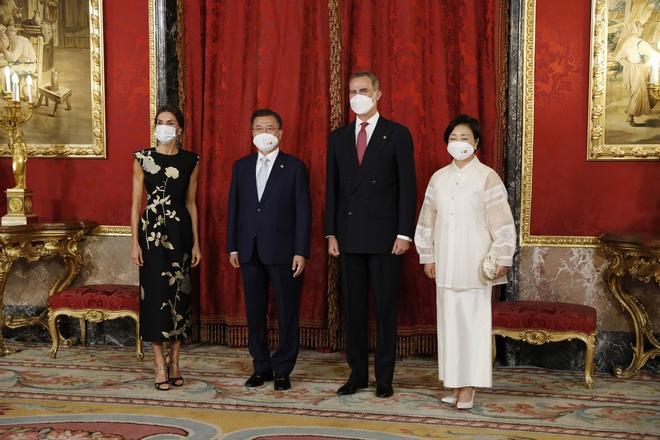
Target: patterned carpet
(105,393)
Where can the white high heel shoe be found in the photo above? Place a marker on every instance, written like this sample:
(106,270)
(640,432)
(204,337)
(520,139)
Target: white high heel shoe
(466,405)
(451,400)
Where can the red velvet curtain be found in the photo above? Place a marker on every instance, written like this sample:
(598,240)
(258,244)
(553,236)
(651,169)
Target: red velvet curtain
(435,59)
(240,56)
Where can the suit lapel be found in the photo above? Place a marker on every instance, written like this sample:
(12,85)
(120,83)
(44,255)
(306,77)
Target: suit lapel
(275,173)
(374,149)
(252,177)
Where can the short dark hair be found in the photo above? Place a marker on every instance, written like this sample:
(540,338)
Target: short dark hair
(471,122)
(372,76)
(170,109)
(266,112)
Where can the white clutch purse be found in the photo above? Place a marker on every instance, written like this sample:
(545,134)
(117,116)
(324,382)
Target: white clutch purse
(489,268)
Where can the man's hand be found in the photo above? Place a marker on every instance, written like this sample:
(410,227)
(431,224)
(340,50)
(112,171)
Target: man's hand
(503,270)
(400,247)
(333,246)
(233,260)
(298,265)
(429,270)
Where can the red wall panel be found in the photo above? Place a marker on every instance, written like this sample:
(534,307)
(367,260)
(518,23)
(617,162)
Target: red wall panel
(571,196)
(100,189)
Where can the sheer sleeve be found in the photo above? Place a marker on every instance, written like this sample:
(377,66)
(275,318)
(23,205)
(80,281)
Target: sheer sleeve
(499,220)
(425,228)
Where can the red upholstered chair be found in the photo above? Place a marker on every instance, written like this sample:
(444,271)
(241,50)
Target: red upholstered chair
(94,303)
(538,322)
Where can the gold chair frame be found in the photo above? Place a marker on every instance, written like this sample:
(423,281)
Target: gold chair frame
(94,316)
(539,337)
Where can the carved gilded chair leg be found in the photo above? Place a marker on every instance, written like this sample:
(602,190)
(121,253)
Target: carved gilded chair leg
(83,331)
(589,359)
(54,334)
(138,341)
(494,349)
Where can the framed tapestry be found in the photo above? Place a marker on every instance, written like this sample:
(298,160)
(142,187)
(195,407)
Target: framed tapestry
(59,44)
(624,112)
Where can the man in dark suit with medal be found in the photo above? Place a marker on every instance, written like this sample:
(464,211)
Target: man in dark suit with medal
(268,233)
(370,219)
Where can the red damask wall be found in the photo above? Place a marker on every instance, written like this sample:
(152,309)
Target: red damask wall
(571,196)
(100,189)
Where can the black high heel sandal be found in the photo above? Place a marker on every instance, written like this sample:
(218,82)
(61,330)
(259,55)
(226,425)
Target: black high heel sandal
(160,386)
(174,381)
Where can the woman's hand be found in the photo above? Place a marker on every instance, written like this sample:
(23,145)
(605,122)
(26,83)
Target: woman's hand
(196,256)
(429,270)
(501,271)
(136,255)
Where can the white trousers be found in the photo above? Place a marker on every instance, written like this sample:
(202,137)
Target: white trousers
(464,337)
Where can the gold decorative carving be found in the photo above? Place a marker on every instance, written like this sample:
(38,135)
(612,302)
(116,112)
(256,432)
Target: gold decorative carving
(112,230)
(640,259)
(542,336)
(526,238)
(97,148)
(35,242)
(597,149)
(94,316)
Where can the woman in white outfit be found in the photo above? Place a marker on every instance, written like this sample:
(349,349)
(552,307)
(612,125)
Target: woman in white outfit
(465,217)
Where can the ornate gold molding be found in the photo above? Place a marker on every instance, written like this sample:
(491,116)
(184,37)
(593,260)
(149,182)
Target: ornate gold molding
(596,147)
(112,230)
(97,149)
(526,238)
(153,77)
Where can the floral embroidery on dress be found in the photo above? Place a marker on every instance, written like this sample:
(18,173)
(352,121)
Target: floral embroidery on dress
(179,275)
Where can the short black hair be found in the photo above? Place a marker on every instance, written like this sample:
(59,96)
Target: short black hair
(171,109)
(266,112)
(369,74)
(471,122)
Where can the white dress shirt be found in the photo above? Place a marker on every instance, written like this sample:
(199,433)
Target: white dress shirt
(464,217)
(271,160)
(369,128)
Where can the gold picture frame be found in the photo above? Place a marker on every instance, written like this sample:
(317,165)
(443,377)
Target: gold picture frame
(96,148)
(526,238)
(622,86)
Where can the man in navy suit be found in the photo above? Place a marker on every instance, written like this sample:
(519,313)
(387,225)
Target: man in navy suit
(268,228)
(370,219)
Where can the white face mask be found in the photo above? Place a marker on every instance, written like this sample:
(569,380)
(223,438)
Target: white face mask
(460,150)
(265,142)
(361,104)
(165,133)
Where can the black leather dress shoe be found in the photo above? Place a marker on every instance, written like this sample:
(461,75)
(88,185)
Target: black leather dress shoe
(258,379)
(282,383)
(350,388)
(384,390)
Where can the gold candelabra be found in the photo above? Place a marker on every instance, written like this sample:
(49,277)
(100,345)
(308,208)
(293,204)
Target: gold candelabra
(19,198)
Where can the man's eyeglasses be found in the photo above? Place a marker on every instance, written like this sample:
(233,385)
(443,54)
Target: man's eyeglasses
(269,130)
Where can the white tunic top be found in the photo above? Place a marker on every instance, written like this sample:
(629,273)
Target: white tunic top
(465,216)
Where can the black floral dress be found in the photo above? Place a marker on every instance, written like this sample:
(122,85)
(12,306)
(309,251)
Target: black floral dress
(166,239)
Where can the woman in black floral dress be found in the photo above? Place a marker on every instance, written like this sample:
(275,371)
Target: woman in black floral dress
(165,242)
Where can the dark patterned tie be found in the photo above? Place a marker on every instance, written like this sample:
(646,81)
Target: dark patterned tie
(361,144)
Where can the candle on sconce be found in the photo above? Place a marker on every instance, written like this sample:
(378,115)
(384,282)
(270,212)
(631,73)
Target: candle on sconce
(7,79)
(16,95)
(28,83)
